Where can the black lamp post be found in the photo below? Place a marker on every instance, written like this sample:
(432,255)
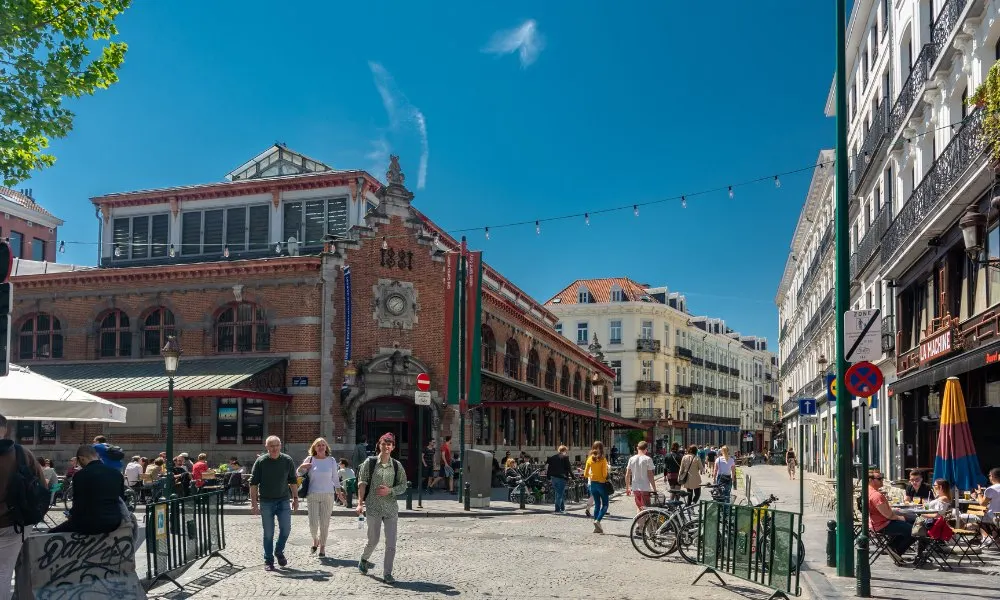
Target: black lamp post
(171,353)
(595,381)
(973,225)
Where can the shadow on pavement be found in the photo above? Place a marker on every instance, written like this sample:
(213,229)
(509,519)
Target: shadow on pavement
(423,586)
(200,583)
(337,562)
(314,575)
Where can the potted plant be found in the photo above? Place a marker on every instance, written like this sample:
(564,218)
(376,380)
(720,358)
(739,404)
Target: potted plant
(987,97)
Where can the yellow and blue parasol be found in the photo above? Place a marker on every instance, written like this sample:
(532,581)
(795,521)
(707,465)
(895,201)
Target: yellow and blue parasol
(956,459)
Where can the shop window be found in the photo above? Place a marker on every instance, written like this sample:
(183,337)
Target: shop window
(157,326)
(577,391)
(993,388)
(550,375)
(512,360)
(992,273)
(40,337)
(47,432)
(25,432)
(564,381)
(533,367)
(227,421)
(115,339)
(242,327)
(253,421)
(489,348)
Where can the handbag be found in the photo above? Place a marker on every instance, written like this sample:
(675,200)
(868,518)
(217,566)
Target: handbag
(609,488)
(304,486)
(683,477)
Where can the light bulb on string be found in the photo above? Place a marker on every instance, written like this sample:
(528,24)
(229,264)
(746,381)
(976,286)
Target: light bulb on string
(684,202)
(62,247)
(730,192)
(172,252)
(118,251)
(225,252)
(777,182)
(277,248)
(538,228)
(586,218)
(635,209)
(385,244)
(487,233)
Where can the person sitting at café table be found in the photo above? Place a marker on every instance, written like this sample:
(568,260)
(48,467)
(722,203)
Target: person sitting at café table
(942,496)
(97,490)
(917,489)
(882,518)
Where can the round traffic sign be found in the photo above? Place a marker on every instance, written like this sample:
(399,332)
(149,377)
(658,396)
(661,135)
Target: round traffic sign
(423,382)
(863,379)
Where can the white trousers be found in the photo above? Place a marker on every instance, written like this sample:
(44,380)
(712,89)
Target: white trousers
(320,509)
(10,548)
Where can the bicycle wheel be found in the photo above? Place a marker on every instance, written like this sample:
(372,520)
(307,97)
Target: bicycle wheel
(800,552)
(68,497)
(644,526)
(130,499)
(687,540)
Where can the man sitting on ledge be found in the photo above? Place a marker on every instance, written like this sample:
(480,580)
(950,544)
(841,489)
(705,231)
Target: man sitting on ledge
(97,490)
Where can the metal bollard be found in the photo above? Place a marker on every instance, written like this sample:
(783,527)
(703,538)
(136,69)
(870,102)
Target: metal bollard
(349,496)
(467,488)
(409,495)
(523,490)
(831,543)
(576,491)
(862,569)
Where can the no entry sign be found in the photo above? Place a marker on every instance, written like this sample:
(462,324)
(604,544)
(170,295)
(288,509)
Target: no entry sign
(423,382)
(863,379)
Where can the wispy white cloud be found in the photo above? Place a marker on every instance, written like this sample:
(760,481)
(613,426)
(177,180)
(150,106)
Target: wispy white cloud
(525,40)
(402,116)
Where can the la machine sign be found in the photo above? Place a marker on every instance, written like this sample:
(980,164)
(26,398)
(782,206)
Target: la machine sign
(935,347)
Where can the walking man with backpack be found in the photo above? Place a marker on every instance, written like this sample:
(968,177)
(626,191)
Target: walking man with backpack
(23,501)
(380,480)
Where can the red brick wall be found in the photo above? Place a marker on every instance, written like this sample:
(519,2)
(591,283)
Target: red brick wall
(29,233)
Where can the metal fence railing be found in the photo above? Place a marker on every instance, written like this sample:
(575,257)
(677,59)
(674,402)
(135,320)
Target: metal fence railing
(180,531)
(759,545)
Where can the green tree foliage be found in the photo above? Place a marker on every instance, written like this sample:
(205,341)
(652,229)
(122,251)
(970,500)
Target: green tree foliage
(987,96)
(45,57)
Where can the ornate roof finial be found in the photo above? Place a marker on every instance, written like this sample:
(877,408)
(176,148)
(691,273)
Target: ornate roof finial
(394,175)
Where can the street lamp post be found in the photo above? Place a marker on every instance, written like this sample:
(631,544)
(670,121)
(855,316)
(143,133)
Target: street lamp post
(171,353)
(595,382)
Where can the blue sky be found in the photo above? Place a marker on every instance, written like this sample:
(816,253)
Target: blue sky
(608,106)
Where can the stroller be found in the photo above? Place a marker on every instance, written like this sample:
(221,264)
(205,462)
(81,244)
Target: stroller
(537,488)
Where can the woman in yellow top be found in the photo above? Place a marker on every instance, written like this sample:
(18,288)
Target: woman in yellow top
(596,470)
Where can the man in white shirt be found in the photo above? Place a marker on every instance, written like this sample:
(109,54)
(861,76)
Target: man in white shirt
(133,472)
(640,480)
(990,497)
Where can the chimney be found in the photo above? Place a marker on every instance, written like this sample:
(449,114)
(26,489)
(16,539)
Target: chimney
(27,192)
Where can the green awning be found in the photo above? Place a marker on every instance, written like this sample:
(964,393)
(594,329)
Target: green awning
(112,377)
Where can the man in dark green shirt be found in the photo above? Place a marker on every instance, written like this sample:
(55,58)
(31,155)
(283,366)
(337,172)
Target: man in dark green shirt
(273,481)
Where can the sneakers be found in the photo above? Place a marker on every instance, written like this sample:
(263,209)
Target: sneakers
(588,512)
(597,527)
(268,566)
(282,561)
(388,578)
(364,565)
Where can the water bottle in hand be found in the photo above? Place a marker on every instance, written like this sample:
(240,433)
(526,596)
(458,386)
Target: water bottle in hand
(361,521)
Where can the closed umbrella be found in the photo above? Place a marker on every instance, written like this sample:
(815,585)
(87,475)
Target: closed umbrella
(28,396)
(956,459)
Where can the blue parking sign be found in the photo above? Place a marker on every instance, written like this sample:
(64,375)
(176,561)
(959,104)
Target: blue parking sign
(807,406)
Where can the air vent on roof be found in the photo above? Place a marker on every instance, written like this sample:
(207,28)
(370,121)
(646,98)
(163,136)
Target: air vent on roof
(557,301)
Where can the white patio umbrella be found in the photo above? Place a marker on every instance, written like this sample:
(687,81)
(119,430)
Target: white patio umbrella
(28,396)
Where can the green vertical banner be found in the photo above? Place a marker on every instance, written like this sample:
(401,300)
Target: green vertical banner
(451,314)
(474,325)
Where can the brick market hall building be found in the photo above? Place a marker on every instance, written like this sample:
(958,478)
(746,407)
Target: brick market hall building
(249,275)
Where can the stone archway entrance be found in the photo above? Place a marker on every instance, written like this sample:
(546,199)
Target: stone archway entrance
(398,416)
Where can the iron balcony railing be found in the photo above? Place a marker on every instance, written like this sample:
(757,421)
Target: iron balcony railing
(647,387)
(683,390)
(647,345)
(697,361)
(697,387)
(868,248)
(649,414)
(712,419)
(682,352)
(734,372)
(723,393)
(874,138)
(966,146)
(724,369)
(711,391)
(768,398)
(711,365)
(734,395)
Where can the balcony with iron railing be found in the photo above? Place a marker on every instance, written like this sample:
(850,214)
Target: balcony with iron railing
(768,398)
(964,148)
(724,369)
(912,88)
(711,365)
(697,387)
(683,390)
(711,391)
(712,419)
(682,352)
(648,414)
(868,248)
(734,395)
(734,372)
(723,393)
(647,387)
(647,345)
(697,361)
(874,138)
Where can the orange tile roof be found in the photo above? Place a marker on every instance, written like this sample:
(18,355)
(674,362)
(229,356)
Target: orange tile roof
(18,198)
(600,290)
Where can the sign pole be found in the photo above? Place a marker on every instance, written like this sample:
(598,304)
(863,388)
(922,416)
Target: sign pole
(802,479)
(420,459)
(461,369)
(845,514)
(863,573)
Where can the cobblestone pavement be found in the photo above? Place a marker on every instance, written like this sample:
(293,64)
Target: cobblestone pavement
(887,580)
(516,556)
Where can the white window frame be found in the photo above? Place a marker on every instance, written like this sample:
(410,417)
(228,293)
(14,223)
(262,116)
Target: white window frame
(582,333)
(613,325)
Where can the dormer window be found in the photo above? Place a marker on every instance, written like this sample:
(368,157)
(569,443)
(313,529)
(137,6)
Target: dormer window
(616,294)
(583,296)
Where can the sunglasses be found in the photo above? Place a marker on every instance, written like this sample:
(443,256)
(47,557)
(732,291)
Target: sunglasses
(878,478)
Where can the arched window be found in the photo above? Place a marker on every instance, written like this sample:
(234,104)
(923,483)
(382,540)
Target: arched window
(241,327)
(489,342)
(576,385)
(41,337)
(588,395)
(512,359)
(114,337)
(533,367)
(564,381)
(550,375)
(157,326)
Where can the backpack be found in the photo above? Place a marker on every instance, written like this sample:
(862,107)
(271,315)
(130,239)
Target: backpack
(371,462)
(27,497)
(115,452)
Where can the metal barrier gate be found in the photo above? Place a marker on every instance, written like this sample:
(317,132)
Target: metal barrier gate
(759,545)
(180,531)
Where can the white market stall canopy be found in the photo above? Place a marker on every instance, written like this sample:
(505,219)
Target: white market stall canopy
(28,396)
